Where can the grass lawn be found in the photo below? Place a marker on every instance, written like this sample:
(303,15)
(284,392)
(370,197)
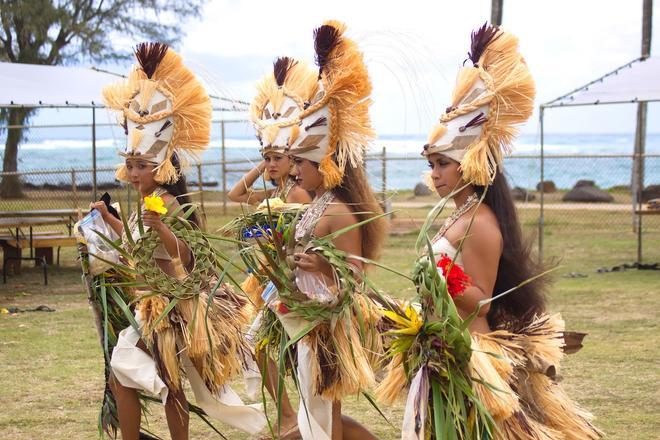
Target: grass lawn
(51,379)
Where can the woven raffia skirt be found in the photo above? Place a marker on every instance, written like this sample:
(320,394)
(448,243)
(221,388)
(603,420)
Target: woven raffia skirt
(525,397)
(197,340)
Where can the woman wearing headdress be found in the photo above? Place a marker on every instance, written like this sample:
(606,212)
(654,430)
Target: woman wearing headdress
(276,166)
(186,324)
(516,346)
(326,130)
(275,100)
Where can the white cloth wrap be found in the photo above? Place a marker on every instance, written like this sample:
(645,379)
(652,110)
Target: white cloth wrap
(134,368)
(251,373)
(314,412)
(416,403)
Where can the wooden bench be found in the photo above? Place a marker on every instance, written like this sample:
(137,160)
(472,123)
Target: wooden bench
(43,244)
(20,234)
(43,251)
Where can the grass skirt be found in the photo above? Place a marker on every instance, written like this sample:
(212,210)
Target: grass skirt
(525,397)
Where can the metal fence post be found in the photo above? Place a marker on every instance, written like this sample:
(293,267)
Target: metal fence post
(224,168)
(94,154)
(541,214)
(200,184)
(74,188)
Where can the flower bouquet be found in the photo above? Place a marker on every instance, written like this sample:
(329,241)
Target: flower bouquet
(429,345)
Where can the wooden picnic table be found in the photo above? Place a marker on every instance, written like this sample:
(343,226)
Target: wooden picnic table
(12,244)
(64,212)
(30,222)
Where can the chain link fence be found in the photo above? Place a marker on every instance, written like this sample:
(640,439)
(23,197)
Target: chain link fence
(587,199)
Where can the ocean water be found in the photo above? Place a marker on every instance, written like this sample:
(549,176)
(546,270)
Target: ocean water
(71,148)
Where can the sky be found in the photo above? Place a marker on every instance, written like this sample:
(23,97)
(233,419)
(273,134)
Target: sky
(414,48)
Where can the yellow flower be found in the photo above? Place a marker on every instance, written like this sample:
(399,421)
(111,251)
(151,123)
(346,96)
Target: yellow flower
(408,324)
(275,203)
(155,203)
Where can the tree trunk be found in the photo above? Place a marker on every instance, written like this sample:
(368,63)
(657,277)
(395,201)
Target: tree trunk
(10,186)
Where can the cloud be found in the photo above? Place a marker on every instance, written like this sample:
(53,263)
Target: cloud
(414,47)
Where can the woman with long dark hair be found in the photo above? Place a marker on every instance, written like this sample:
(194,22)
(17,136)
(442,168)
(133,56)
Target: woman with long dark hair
(186,324)
(514,346)
(321,117)
(491,241)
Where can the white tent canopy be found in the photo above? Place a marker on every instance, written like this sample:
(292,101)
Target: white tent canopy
(32,85)
(637,81)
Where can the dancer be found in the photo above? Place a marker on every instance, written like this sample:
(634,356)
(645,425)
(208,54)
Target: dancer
(186,323)
(513,348)
(276,167)
(322,116)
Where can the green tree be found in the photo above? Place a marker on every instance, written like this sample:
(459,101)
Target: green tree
(70,31)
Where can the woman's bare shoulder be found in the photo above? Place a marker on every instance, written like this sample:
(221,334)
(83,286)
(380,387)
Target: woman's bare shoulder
(338,207)
(339,214)
(298,195)
(171,202)
(484,229)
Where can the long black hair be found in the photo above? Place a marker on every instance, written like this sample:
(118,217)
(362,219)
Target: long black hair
(356,192)
(179,189)
(517,264)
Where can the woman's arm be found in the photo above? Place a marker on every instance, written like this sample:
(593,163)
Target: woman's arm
(481,253)
(174,246)
(335,218)
(110,219)
(242,192)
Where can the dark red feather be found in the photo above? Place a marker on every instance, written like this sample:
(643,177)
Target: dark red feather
(474,122)
(326,39)
(149,55)
(281,67)
(481,38)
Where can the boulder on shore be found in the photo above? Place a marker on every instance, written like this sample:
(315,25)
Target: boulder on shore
(547,186)
(421,189)
(521,194)
(586,191)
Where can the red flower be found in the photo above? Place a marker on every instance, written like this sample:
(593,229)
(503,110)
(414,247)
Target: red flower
(457,280)
(282,309)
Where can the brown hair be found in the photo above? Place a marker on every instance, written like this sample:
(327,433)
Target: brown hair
(179,189)
(356,192)
(517,264)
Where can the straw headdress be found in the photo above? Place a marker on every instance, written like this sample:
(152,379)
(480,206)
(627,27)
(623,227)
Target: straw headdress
(163,108)
(491,97)
(320,116)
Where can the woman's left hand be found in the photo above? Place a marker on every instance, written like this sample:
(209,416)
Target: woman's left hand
(311,262)
(153,221)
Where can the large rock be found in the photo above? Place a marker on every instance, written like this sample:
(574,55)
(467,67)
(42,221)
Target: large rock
(422,190)
(585,183)
(587,191)
(522,194)
(651,192)
(547,186)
